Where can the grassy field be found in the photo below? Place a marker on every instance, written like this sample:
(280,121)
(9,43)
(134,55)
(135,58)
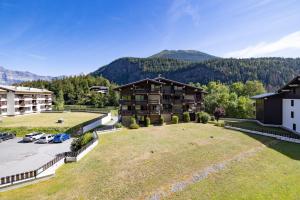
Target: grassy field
(184,161)
(48,119)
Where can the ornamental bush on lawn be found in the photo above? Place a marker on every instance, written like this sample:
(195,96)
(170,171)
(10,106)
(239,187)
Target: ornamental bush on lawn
(175,119)
(132,120)
(134,126)
(161,120)
(186,117)
(212,118)
(118,125)
(204,117)
(218,113)
(148,121)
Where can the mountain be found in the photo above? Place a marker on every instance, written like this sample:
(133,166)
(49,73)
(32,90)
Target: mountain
(187,55)
(273,72)
(8,77)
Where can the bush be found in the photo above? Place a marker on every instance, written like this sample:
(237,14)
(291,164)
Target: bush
(80,142)
(148,121)
(212,118)
(132,120)
(161,120)
(186,117)
(118,125)
(175,119)
(204,117)
(134,126)
(198,116)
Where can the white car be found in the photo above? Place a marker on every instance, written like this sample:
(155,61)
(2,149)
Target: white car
(45,139)
(32,137)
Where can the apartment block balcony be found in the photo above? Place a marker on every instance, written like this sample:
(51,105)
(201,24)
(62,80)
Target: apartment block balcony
(125,102)
(154,112)
(167,91)
(141,91)
(126,112)
(142,112)
(188,101)
(3,99)
(141,102)
(154,101)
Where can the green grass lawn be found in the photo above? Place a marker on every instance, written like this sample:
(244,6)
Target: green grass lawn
(48,119)
(44,122)
(135,164)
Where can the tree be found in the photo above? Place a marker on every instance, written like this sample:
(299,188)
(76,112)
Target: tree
(218,113)
(59,103)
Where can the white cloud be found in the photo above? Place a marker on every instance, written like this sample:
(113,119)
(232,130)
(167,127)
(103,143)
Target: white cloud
(181,8)
(281,47)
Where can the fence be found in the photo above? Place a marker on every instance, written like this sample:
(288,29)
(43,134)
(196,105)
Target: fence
(286,136)
(100,121)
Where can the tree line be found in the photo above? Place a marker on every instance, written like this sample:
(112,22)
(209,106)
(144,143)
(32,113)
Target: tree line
(75,90)
(233,98)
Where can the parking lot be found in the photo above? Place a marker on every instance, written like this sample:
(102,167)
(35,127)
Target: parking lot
(17,157)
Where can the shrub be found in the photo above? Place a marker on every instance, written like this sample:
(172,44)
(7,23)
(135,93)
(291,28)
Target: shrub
(218,113)
(148,121)
(186,117)
(212,118)
(204,117)
(132,120)
(175,119)
(118,125)
(134,126)
(80,142)
(161,120)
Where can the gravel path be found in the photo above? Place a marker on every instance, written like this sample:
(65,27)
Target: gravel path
(204,173)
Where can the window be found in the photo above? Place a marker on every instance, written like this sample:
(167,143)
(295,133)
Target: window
(292,103)
(294,90)
(139,97)
(126,97)
(294,127)
(292,114)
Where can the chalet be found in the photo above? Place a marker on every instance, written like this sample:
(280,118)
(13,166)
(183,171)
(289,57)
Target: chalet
(158,97)
(281,107)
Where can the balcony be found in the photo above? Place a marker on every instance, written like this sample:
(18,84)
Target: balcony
(155,90)
(167,111)
(141,102)
(142,112)
(126,112)
(125,102)
(188,101)
(153,101)
(154,112)
(141,91)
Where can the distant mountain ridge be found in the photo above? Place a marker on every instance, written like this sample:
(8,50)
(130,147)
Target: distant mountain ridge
(273,71)
(9,77)
(187,55)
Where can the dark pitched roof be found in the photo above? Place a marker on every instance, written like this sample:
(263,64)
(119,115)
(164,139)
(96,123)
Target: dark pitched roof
(295,81)
(178,83)
(140,81)
(261,96)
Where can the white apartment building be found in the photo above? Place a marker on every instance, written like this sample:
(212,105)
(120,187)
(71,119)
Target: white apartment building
(15,100)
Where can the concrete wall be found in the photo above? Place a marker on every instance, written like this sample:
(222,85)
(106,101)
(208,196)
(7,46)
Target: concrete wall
(10,103)
(287,121)
(97,123)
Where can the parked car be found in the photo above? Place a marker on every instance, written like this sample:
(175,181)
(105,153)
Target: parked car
(33,136)
(61,137)
(6,136)
(45,139)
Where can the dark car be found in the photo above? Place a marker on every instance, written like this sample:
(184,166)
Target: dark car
(6,136)
(61,137)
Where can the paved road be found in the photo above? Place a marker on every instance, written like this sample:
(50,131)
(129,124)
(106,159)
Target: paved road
(17,157)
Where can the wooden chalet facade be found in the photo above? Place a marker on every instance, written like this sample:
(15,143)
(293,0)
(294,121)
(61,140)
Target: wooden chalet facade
(158,97)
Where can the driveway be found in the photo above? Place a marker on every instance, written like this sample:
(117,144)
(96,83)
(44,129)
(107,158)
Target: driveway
(17,157)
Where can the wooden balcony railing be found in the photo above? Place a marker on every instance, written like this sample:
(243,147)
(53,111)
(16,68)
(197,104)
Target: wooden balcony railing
(153,101)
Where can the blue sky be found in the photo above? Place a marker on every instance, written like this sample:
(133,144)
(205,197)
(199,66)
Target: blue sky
(65,37)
